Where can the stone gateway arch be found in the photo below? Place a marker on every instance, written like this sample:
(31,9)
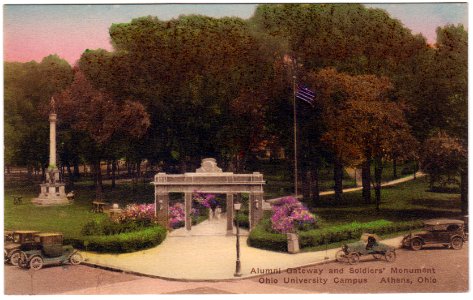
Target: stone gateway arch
(209,178)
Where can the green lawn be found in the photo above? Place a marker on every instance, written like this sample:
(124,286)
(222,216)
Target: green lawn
(408,201)
(68,219)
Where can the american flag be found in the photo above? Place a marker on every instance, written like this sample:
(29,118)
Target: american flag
(306,95)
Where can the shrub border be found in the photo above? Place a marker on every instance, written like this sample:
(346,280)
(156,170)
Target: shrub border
(120,243)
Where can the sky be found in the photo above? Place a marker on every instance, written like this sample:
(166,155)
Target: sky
(32,32)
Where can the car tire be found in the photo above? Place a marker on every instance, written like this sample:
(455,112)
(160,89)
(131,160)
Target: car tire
(36,263)
(390,256)
(5,256)
(416,244)
(456,243)
(340,256)
(353,258)
(75,259)
(14,258)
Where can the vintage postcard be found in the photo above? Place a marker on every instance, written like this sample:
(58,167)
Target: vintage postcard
(245,148)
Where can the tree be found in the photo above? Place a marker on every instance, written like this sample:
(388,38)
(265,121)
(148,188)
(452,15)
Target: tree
(198,78)
(101,119)
(28,90)
(442,156)
(362,122)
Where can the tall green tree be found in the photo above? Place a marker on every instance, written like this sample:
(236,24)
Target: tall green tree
(28,90)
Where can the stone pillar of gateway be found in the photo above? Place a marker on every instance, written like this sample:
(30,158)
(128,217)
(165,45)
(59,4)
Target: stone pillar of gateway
(209,178)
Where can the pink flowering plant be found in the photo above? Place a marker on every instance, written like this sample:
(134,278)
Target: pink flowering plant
(177,215)
(143,214)
(290,215)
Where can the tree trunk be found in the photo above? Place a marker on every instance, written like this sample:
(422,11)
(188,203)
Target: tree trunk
(43,173)
(70,174)
(98,186)
(394,168)
(76,169)
(378,172)
(29,175)
(108,169)
(315,186)
(307,185)
(464,191)
(114,169)
(338,180)
(366,180)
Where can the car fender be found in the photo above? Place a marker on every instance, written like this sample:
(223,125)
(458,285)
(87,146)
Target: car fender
(457,235)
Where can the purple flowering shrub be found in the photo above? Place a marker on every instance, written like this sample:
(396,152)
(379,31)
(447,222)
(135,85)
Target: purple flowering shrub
(206,200)
(290,215)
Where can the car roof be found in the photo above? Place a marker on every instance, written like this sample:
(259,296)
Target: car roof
(26,231)
(443,222)
(49,234)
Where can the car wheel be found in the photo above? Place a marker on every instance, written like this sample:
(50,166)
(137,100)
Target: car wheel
(75,259)
(377,255)
(23,261)
(36,263)
(340,256)
(5,256)
(457,243)
(416,244)
(353,258)
(15,258)
(390,256)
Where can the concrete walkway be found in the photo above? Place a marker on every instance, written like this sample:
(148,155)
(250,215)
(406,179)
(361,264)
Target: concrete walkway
(206,253)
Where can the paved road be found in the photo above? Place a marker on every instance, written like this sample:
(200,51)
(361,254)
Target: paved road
(443,271)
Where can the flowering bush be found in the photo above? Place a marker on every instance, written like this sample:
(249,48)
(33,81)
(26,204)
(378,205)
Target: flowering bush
(139,213)
(289,215)
(206,200)
(177,215)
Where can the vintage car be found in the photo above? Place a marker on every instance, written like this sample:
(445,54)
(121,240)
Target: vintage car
(368,245)
(446,232)
(51,252)
(15,242)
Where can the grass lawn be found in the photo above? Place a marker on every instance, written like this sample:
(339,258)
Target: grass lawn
(67,219)
(408,201)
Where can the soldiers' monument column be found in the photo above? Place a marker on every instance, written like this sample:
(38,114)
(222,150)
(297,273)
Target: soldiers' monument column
(53,190)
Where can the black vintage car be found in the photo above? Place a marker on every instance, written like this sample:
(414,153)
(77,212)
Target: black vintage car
(51,252)
(15,242)
(445,232)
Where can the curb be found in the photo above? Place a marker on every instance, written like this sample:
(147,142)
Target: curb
(124,271)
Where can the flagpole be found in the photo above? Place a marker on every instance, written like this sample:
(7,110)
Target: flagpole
(295,130)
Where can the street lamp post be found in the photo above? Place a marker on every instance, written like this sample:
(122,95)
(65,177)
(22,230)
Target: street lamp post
(237,207)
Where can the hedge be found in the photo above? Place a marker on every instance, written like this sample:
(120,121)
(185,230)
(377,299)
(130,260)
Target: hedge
(262,237)
(121,243)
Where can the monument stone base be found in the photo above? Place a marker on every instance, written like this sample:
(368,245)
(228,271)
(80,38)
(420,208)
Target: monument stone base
(52,194)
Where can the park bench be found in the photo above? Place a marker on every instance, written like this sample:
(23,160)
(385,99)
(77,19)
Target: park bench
(98,206)
(17,200)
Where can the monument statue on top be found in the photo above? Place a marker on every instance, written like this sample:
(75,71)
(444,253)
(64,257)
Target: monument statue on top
(53,191)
